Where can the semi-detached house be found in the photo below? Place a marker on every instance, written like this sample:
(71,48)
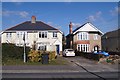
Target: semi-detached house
(43,35)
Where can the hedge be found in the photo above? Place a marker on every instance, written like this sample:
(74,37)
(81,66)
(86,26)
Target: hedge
(114,53)
(10,51)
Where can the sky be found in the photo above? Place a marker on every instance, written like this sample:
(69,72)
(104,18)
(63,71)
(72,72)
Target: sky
(103,15)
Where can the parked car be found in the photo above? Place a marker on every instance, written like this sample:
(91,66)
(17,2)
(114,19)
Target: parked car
(68,52)
(101,52)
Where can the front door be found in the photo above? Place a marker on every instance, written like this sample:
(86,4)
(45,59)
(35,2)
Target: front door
(96,48)
(58,49)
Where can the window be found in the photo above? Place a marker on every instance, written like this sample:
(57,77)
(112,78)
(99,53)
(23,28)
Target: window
(45,34)
(39,34)
(19,44)
(8,35)
(95,37)
(83,36)
(42,34)
(54,34)
(83,47)
(42,47)
(20,34)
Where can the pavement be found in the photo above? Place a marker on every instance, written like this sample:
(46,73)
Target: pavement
(40,69)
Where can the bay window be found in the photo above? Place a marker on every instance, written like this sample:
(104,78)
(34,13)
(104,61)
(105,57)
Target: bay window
(83,47)
(83,36)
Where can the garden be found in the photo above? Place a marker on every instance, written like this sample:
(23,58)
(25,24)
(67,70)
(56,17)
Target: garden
(13,55)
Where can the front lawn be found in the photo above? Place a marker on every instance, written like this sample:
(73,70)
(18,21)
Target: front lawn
(57,61)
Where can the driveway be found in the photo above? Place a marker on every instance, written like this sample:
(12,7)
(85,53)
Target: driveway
(91,65)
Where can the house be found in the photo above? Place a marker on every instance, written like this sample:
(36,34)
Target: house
(110,41)
(44,36)
(86,38)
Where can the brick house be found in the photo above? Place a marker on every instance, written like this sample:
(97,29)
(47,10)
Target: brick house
(86,38)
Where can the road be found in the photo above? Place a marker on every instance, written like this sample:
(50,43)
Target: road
(69,75)
(78,68)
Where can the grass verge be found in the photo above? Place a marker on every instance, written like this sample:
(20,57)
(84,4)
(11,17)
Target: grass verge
(58,61)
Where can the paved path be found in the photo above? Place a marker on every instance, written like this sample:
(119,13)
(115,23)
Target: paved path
(41,69)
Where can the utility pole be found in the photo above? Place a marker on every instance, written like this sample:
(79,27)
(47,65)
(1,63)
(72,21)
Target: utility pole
(24,48)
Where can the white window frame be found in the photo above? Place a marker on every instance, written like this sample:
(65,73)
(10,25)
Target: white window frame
(42,47)
(83,36)
(8,35)
(83,47)
(95,36)
(44,34)
(20,34)
(55,35)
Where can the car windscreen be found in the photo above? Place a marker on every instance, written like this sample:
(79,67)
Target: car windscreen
(70,50)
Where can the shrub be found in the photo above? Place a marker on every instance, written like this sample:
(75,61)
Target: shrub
(34,56)
(10,51)
(52,55)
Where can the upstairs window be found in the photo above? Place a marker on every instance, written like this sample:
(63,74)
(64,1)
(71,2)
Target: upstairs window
(54,34)
(83,36)
(8,35)
(20,34)
(95,37)
(42,34)
(39,34)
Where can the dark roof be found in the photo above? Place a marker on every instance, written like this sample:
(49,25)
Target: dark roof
(31,26)
(115,33)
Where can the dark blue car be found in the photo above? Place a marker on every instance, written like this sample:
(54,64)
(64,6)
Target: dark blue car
(101,52)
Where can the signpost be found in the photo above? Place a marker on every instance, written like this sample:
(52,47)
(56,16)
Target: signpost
(24,48)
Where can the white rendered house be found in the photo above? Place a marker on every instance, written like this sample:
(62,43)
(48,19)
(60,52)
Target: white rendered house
(46,37)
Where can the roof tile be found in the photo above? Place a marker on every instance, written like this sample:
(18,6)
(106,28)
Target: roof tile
(39,25)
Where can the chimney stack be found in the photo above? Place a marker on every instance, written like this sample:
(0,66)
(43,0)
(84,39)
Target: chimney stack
(33,19)
(70,28)
(71,37)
